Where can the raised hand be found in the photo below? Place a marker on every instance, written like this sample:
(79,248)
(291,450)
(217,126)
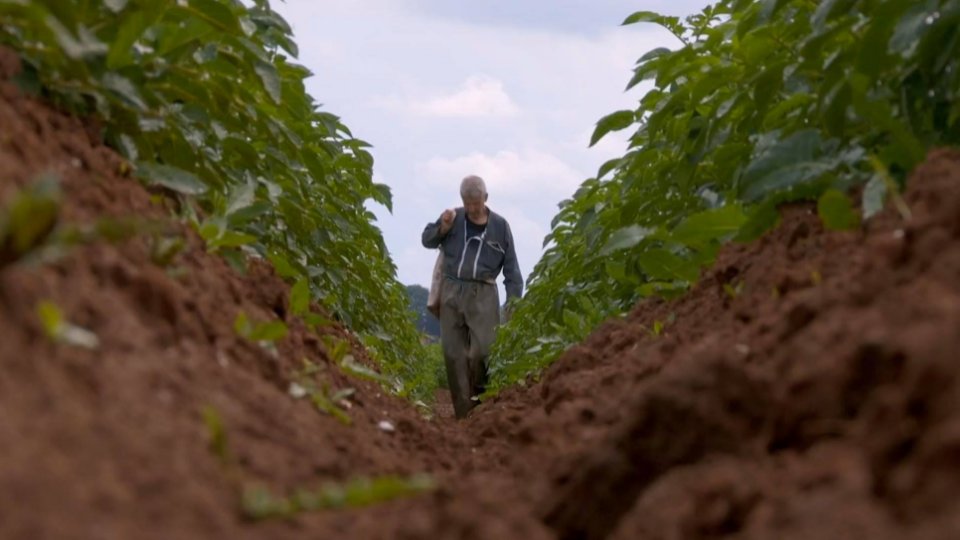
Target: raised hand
(446,220)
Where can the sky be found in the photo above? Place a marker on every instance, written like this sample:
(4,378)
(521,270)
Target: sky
(509,90)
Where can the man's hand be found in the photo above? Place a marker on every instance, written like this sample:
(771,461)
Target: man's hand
(446,220)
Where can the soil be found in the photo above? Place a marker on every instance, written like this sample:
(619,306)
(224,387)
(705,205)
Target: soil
(815,396)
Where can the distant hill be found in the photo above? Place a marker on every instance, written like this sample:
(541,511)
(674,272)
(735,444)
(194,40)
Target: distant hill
(426,322)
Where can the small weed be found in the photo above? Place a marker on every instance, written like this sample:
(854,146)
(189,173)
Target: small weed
(259,503)
(332,403)
(337,348)
(349,365)
(56,327)
(321,397)
(733,290)
(327,403)
(315,320)
(300,297)
(163,250)
(217,235)
(891,188)
(29,220)
(259,332)
(657,329)
(217,434)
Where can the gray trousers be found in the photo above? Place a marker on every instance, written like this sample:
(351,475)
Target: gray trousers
(469,315)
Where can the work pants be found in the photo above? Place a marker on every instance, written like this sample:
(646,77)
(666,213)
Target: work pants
(469,315)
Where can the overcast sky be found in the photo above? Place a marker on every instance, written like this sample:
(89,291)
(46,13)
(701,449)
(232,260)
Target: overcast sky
(506,89)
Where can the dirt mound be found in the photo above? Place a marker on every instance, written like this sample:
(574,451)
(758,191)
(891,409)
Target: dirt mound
(112,442)
(806,388)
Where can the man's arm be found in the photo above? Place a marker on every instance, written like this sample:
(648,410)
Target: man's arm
(512,278)
(434,233)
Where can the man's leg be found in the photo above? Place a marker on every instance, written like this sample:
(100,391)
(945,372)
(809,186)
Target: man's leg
(455,341)
(482,315)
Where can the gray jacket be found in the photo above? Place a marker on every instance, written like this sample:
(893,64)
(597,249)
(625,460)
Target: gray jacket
(478,260)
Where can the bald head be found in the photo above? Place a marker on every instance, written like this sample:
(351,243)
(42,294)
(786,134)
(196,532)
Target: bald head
(473,188)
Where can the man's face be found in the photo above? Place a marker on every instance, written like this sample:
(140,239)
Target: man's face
(475,206)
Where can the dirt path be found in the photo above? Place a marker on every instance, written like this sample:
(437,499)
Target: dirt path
(821,401)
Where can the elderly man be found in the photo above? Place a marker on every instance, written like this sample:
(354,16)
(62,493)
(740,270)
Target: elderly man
(476,245)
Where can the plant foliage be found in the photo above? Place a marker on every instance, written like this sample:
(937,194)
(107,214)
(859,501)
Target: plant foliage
(762,102)
(204,99)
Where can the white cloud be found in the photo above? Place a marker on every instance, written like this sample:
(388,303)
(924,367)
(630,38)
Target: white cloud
(508,173)
(478,97)
(442,93)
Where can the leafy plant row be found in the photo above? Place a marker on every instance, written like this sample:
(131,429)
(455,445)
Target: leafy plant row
(203,98)
(763,102)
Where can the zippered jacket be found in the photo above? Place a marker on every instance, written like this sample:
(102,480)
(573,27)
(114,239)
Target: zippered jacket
(480,258)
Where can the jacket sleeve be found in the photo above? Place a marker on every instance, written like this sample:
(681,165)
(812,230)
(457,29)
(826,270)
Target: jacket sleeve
(431,237)
(512,278)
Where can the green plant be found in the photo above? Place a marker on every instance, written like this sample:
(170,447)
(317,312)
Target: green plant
(58,329)
(204,99)
(269,331)
(29,220)
(761,102)
(259,503)
(217,434)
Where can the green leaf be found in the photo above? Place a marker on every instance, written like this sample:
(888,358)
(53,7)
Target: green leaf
(131,30)
(164,250)
(874,196)
(829,10)
(625,238)
(352,367)
(241,197)
(300,297)
(382,195)
(171,177)
(315,320)
(835,108)
(663,265)
(788,163)
(216,433)
(760,219)
(655,53)
(231,239)
(270,79)
(836,211)
(716,224)
(612,122)
(29,220)
(56,327)
(573,322)
(282,265)
(214,13)
(906,35)
(123,88)
(271,331)
(51,318)
(259,503)
(608,166)
(242,325)
(191,32)
(115,6)
(617,270)
(83,46)
(642,16)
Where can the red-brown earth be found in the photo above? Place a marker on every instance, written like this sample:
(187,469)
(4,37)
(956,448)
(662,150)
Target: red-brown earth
(816,396)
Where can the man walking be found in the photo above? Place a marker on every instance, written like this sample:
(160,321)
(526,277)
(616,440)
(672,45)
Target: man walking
(476,244)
